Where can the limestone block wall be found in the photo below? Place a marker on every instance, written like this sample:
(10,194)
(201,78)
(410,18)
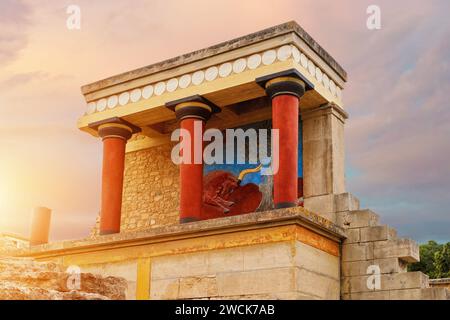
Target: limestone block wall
(150,191)
(283,270)
(370,247)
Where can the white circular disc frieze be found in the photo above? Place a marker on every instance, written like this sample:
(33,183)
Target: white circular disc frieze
(332,87)
(325,81)
(185,81)
(101,104)
(172,85)
(296,54)
(284,53)
(311,68)
(225,69)
(239,65)
(135,95)
(304,61)
(319,74)
(147,92)
(211,73)
(124,98)
(198,77)
(112,101)
(160,87)
(90,107)
(269,57)
(254,61)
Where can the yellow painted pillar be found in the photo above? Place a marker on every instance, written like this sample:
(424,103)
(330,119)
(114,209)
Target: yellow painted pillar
(143,279)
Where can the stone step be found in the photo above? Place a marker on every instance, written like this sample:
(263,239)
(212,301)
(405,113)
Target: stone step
(404,249)
(357,219)
(419,294)
(406,294)
(346,202)
(361,268)
(397,281)
(370,234)
(357,252)
(378,233)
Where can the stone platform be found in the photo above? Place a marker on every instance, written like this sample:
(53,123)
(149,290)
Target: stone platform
(280,254)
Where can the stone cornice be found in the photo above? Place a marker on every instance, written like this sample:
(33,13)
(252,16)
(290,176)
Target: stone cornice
(279,30)
(254,221)
(289,52)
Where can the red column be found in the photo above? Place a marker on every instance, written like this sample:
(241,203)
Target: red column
(40,226)
(285,119)
(191,176)
(285,93)
(192,117)
(114,138)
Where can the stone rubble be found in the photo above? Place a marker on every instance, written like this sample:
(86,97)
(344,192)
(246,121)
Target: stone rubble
(27,279)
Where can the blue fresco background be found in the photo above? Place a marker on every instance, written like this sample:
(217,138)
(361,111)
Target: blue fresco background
(255,178)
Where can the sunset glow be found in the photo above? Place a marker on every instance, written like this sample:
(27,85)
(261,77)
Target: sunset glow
(398,114)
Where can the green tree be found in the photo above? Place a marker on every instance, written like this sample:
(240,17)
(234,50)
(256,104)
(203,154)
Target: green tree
(427,259)
(442,262)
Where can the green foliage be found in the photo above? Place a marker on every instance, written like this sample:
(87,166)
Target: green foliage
(434,260)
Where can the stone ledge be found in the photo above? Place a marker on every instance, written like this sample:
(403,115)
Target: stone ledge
(257,220)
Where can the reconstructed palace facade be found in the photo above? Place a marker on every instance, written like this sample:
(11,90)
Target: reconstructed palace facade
(212,231)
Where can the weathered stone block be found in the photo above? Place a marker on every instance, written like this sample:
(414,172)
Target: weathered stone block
(317,285)
(197,287)
(226,260)
(357,251)
(419,294)
(345,202)
(353,236)
(358,268)
(377,233)
(256,282)
(405,249)
(165,289)
(407,280)
(318,261)
(271,255)
(320,204)
(357,219)
(372,295)
(179,266)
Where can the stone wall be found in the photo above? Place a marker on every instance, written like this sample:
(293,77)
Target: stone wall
(440,283)
(150,191)
(373,250)
(270,271)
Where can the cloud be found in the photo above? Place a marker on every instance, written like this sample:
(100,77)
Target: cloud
(396,137)
(14,17)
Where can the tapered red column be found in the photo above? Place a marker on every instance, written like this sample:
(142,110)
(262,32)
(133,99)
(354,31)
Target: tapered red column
(40,226)
(192,117)
(114,137)
(285,93)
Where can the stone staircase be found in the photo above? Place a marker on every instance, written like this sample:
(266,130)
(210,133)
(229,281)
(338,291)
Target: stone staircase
(27,279)
(371,247)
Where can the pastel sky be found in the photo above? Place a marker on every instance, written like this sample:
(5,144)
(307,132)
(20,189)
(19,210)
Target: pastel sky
(397,137)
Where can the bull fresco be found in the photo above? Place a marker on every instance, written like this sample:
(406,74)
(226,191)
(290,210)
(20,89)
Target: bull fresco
(239,188)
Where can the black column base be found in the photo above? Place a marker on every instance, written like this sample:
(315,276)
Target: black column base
(282,205)
(188,219)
